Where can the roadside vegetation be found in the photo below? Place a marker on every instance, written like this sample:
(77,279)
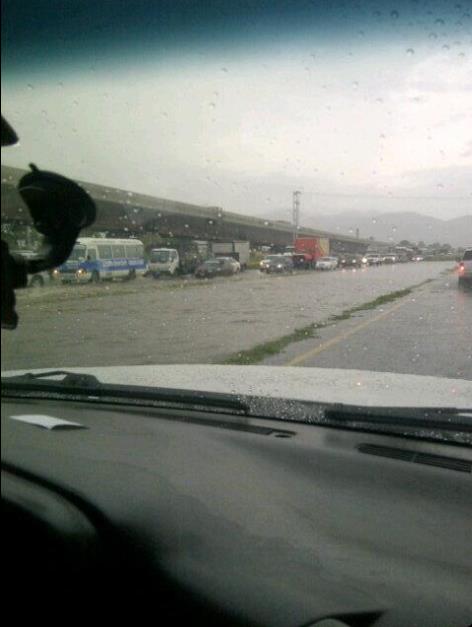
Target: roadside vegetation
(264,350)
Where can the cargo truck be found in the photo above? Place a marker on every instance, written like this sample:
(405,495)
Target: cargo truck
(307,250)
(181,256)
(239,250)
(163,261)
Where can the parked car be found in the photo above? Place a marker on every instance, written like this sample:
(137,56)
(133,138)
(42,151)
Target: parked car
(280,264)
(222,266)
(234,262)
(327,263)
(39,279)
(465,269)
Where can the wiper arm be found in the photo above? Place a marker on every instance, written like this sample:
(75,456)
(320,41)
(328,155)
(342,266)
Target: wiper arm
(79,386)
(70,378)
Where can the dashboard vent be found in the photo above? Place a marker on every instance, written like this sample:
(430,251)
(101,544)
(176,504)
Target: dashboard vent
(451,463)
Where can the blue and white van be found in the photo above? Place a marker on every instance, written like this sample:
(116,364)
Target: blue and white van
(95,258)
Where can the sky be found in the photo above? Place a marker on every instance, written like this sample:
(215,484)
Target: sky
(369,119)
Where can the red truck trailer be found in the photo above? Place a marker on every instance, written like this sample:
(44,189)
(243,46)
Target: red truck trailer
(307,250)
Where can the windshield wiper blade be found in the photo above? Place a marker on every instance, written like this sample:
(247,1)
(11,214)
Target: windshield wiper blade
(339,414)
(425,417)
(82,386)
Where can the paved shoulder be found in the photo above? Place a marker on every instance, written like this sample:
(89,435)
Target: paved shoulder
(427,332)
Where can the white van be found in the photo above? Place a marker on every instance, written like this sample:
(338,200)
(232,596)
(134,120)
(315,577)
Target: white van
(163,261)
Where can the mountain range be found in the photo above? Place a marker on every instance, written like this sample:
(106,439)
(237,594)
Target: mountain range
(411,226)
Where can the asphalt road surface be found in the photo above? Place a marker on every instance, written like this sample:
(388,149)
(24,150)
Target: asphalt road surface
(428,332)
(188,321)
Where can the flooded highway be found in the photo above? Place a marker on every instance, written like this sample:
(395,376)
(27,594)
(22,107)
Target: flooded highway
(192,321)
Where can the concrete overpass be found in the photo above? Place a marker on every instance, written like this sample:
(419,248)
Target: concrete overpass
(123,213)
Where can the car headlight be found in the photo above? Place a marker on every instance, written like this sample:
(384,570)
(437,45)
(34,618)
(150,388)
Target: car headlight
(364,260)
(55,271)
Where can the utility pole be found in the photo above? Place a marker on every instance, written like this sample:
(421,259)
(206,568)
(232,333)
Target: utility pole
(296,214)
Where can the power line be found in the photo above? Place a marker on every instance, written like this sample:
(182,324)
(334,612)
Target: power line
(387,196)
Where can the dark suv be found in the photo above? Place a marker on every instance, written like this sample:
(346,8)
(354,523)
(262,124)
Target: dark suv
(281,264)
(216,267)
(465,269)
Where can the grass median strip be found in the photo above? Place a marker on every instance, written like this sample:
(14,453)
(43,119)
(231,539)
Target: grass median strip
(266,349)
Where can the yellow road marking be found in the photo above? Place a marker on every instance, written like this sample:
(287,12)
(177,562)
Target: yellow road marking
(342,336)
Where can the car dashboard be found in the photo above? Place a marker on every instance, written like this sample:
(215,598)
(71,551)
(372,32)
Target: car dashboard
(227,520)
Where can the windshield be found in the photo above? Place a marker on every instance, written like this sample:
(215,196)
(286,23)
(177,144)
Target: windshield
(160,256)
(78,253)
(331,131)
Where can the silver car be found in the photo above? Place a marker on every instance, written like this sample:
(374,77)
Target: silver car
(327,263)
(40,279)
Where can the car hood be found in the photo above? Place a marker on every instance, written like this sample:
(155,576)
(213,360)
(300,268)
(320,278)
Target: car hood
(327,385)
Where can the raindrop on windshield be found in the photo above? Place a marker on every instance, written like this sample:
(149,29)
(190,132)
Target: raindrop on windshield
(439,22)
(410,51)
(394,14)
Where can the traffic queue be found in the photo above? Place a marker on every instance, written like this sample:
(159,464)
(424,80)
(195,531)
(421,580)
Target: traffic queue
(96,259)
(313,253)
